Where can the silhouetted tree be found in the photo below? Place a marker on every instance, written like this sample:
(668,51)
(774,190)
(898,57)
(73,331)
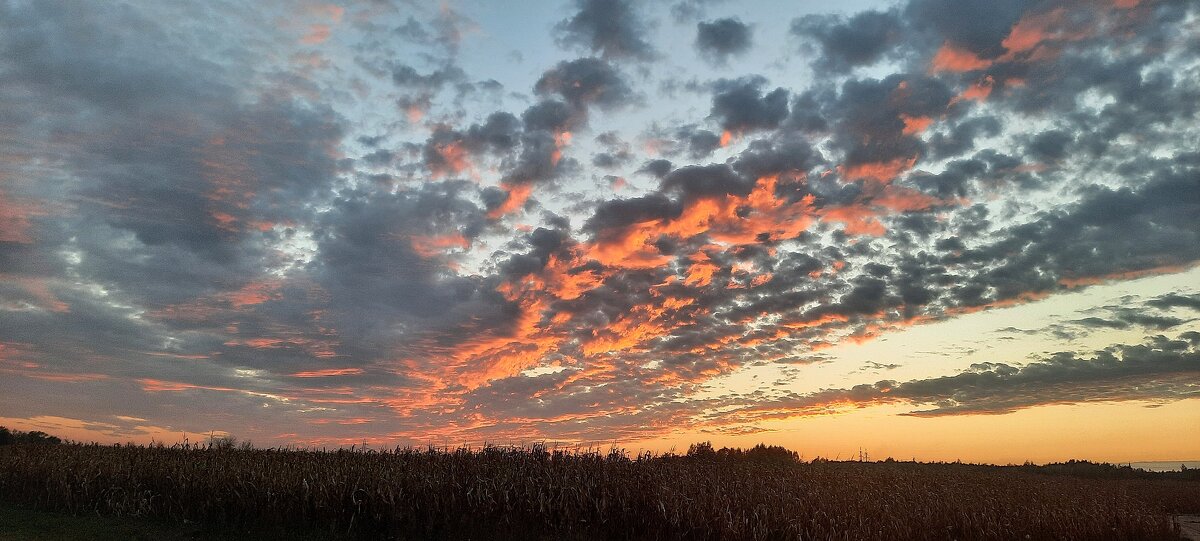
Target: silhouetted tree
(703,449)
(39,437)
(11,437)
(771,453)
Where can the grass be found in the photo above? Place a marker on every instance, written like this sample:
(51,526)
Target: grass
(22,524)
(496,494)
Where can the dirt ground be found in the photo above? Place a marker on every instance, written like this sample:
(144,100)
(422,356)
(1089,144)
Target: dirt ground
(1190,524)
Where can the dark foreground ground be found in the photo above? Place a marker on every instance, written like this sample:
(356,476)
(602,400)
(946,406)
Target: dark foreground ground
(100,492)
(23,524)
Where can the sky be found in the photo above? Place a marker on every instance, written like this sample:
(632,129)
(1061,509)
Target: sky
(931,229)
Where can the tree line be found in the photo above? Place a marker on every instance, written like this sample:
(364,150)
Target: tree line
(11,437)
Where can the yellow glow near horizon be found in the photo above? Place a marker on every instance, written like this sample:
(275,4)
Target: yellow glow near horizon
(1103,432)
(1120,432)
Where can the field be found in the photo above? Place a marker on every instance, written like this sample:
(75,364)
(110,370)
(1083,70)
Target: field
(498,493)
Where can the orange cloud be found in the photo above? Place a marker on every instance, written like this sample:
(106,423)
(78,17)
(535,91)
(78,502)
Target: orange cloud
(978,91)
(414,112)
(701,272)
(900,199)
(955,59)
(858,220)
(1083,281)
(561,141)
(129,429)
(914,125)
(328,372)
(254,293)
(880,171)
(317,34)
(454,159)
(490,357)
(517,195)
(1033,29)
(14,219)
(434,245)
(161,386)
(633,329)
(725,219)
(14,360)
(320,348)
(39,290)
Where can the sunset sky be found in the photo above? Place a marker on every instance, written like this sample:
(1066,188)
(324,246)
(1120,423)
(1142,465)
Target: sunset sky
(932,229)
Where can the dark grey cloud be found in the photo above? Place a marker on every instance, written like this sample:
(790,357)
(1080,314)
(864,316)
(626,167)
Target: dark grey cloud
(1160,370)
(617,151)
(622,212)
(585,81)
(960,139)
(740,105)
(371,263)
(978,26)
(955,181)
(870,113)
(448,151)
(721,38)
(658,168)
(192,172)
(498,133)
(700,181)
(1050,145)
(539,160)
(551,115)
(700,142)
(691,10)
(612,28)
(1174,300)
(782,155)
(847,42)
(408,77)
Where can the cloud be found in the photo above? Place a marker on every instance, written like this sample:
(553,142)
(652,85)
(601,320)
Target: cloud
(585,81)
(1172,300)
(611,28)
(622,212)
(1161,370)
(721,38)
(739,105)
(977,26)
(848,42)
(690,10)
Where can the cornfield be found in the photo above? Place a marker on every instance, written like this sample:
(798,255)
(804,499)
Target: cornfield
(503,493)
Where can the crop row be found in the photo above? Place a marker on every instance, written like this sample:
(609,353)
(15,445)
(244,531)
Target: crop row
(520,494)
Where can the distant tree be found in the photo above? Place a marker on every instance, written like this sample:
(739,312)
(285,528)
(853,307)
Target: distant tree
(703,449)
(222,442)
(758,453)
(772,453)
(41,438)
(12,437)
